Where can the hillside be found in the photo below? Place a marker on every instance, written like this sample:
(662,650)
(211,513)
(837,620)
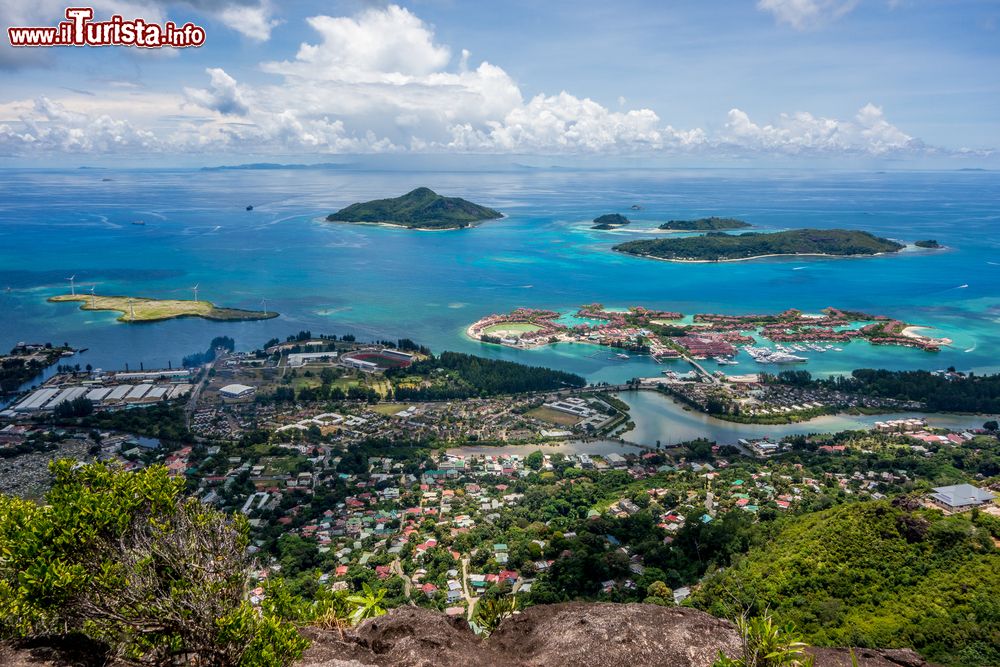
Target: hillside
(704,224)
(419,209)
(717,246)
(877,574)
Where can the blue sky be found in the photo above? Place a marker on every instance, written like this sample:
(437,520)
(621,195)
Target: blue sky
(901,82)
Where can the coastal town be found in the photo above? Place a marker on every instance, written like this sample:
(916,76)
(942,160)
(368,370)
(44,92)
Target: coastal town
(345,485)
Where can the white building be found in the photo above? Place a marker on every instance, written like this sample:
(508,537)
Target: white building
(232,391)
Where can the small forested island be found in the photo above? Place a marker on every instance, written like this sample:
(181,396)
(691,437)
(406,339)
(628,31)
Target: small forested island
(27,361)
(929,243)
(419,209)
(722,247)
(141,309)
(610,221)
(704,224)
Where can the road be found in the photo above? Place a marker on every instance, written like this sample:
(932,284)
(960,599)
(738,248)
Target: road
(470,601)
(397,569)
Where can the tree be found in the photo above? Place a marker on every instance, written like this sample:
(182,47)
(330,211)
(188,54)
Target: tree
(534,460)
(125,559)
(991,426)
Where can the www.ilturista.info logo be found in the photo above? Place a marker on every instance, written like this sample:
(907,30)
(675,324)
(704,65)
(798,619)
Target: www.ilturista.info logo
(80,30)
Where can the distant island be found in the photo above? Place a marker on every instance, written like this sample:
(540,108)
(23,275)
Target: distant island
(140,309)
(929,243)
(610,221)
(420,209)
(721,247)
(704,224)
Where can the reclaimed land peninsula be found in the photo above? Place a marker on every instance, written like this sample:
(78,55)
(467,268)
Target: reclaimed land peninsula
(139,309)
(421,209)
(712,224)
(722,247)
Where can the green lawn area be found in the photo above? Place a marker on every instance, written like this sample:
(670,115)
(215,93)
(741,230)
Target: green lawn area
(510,328)
(553,416)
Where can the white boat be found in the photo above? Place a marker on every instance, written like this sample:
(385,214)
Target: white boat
(622,355)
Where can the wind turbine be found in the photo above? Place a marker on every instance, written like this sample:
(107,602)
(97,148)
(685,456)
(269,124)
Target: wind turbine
(264,303)
(72,286)
(195,288)
(92,288)
(131,310)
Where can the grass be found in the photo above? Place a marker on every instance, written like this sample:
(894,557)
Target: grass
(511,327)
(154,310)
(553,416)
(389,409)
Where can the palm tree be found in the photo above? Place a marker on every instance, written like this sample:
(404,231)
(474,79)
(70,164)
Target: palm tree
(367,604)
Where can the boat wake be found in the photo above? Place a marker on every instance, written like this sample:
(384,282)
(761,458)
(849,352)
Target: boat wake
(971,349)
(797,268)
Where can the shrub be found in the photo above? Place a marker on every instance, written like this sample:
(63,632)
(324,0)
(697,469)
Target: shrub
(125,559)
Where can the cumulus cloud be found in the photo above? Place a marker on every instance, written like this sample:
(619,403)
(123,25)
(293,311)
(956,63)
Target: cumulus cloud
(802,132)
(52,128)
(222,95)
(803,14)
(380,82)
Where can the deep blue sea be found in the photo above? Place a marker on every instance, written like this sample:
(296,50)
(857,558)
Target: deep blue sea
(381,282)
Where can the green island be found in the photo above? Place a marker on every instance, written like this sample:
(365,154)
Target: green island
(704,224)
(610,221)
(419,209)
(721,247)
(142,309)
(928,243)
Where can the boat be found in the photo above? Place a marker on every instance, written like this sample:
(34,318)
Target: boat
(139,222)
(622,355)
(722,361)
(249,207)
(838,349)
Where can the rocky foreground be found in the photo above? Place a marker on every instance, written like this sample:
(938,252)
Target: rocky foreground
(561,635)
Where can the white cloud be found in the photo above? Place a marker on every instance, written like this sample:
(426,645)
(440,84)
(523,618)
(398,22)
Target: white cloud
(388,45)
(52,128)
(802,132)
(223,95)
(253,21)
(804,14)
(379,82)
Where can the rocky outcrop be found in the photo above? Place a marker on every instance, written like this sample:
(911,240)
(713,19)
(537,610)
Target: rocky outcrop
(560,635)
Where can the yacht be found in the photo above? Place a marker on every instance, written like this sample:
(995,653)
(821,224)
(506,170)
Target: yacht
(622,355)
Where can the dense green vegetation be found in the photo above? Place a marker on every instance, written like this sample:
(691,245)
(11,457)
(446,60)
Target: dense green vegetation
(952,392)
(455,375)
(610,221)
(718,246)
(876,574)
(124,559)
(19,368)
(705,224)
(199,358)
(420,209)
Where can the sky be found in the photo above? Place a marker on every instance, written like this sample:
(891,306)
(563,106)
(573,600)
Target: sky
(904,83)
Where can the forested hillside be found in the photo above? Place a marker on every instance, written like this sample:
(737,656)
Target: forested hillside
(877,574)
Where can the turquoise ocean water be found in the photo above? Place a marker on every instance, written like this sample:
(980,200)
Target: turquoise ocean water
(380,282)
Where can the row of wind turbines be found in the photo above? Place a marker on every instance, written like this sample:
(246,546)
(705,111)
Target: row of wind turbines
(93,287)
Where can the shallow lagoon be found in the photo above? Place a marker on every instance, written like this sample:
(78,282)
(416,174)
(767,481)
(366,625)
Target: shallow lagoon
(379,282)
